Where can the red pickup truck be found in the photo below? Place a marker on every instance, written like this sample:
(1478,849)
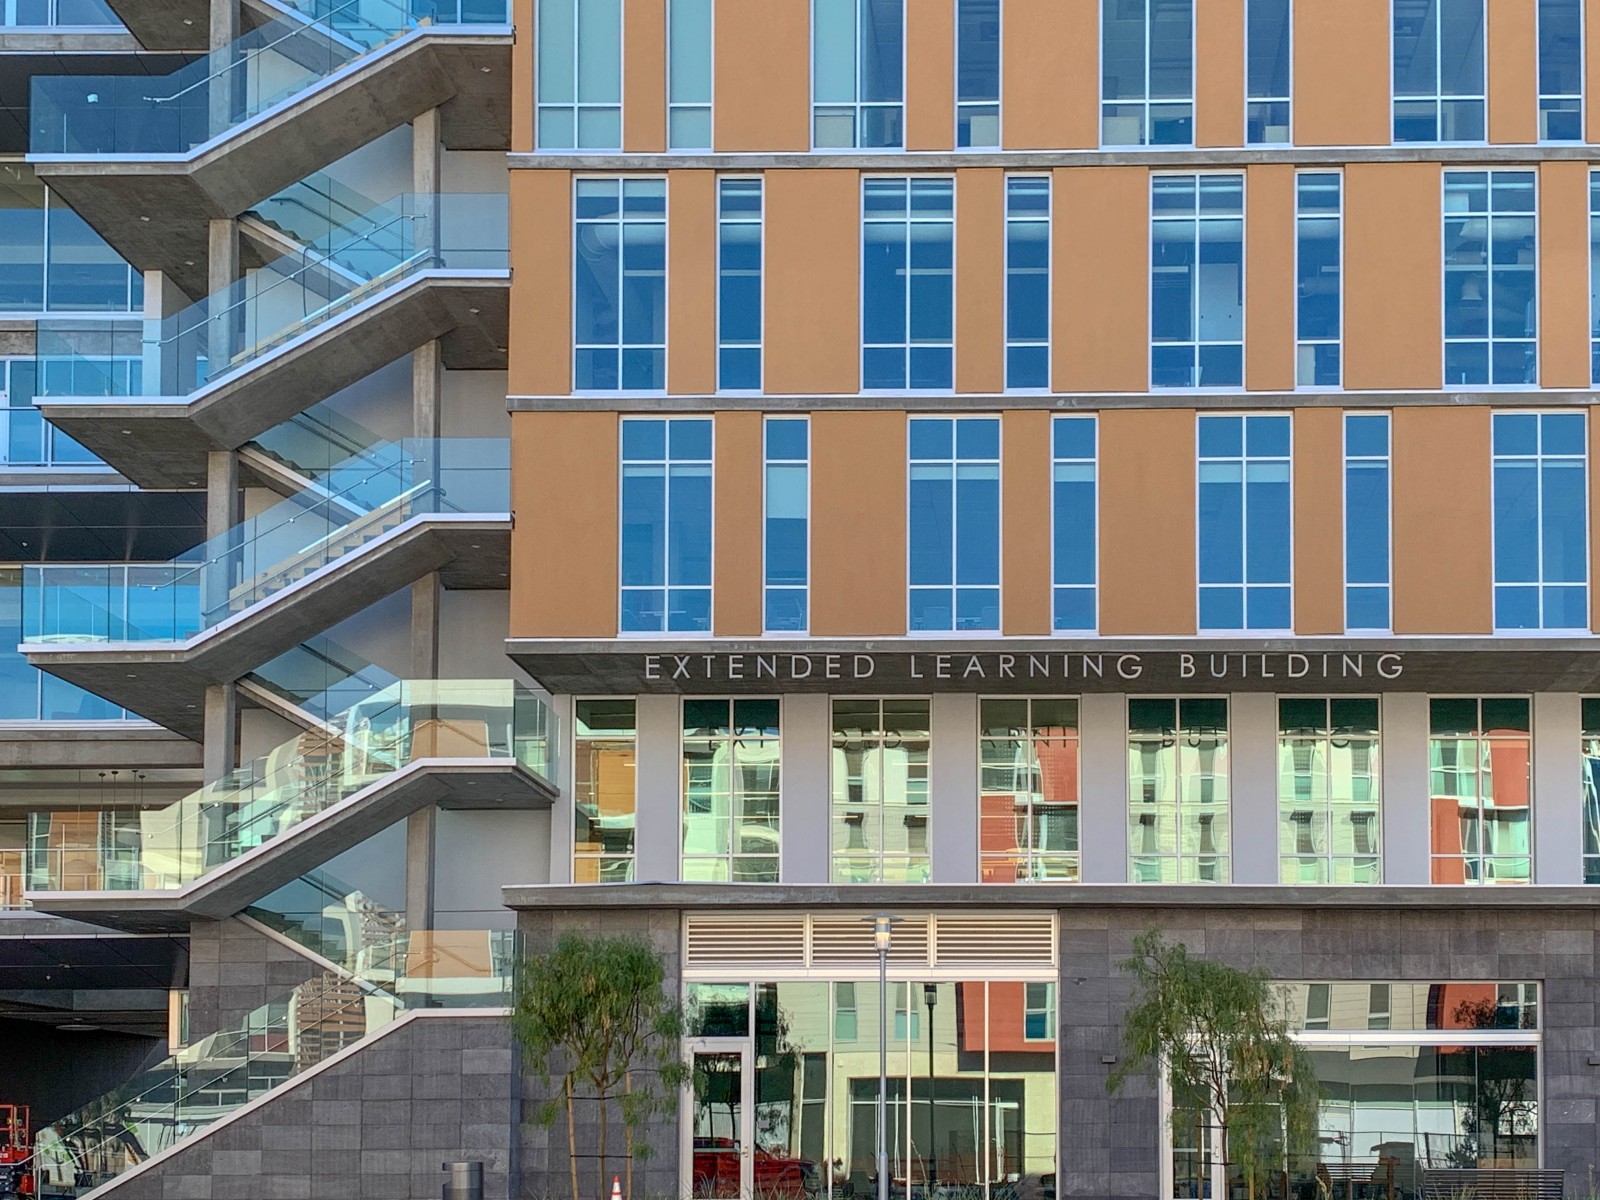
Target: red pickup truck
(716,1173)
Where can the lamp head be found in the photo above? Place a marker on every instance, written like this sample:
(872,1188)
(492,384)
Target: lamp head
(882,933)
(930,994)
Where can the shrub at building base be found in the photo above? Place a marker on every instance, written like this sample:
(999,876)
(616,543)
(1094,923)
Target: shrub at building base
(1221,1035)
(595,1007)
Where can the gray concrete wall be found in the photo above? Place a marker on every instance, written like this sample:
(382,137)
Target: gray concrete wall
(375,1126)
(234,969)
(544,1157)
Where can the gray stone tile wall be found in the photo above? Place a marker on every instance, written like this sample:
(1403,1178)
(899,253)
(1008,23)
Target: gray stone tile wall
(544,1155)
(373,1127)
(234,969)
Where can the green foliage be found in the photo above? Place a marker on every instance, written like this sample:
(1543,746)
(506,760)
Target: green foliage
(1222,1037)
(594,1019)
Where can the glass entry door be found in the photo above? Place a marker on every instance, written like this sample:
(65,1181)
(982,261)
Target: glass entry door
(720,1120)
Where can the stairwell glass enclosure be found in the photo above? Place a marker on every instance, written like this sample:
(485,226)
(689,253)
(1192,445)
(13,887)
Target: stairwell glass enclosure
(341,268)
(366,498)
(78,115)
(405,724)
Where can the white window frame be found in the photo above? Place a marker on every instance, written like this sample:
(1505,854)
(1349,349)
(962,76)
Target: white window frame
(1304,342)
(954,463)
(766,464)
(1244,460)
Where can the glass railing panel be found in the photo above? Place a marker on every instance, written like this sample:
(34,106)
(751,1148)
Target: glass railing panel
(107,114)
(329,917)
(363,499)
(314,207)
(294,295)
(316,441)
(215,1075)
(410,721)
(322,678)
(57,14)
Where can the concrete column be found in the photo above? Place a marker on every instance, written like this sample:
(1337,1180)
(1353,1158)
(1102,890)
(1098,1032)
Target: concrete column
(804,790)
(1253,785)
(658,767)
(220,571)
(222,271)
(426,381)
(425,176)
(1406,830)
(422,826)
(224,22)
(1103,787)
(561,815)
(162,298)
(1557,788)
(224,30)
(953,788)
(219,754)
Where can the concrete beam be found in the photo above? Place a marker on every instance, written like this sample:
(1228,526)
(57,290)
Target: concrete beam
(164,443)
(491,785)
(166,683)
(118,748)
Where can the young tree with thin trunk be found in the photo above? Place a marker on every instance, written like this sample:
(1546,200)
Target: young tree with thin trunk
(1221,1036)
(594,1019)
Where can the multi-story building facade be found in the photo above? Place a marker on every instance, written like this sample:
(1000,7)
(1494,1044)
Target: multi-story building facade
(1036,469)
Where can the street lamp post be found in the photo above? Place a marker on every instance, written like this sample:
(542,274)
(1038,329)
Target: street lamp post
(930,997)
(882,931)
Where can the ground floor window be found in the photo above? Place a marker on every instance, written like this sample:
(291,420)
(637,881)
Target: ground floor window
(1414,1076)
(784,1100)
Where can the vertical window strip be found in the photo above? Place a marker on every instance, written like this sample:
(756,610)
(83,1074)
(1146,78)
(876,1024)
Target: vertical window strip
(689,51)
(1439,66)
(1591,789)
(953,513)
(880,797)
(1329,798)
(786,542)
(26,438)
(579,75)
(730,790)
(977,74)
(1178,794)
(1028,802)
(1319,279)
(1027,283)
(605,800)
(1491,280)
(1594,276)
(1197,281)
(1075,524)
(1367,558)
(1541,524)
(740,237)
(52,261)
(1245,523)
(908,283)
(1561,70)
(1147,73)
(1269,37)
(1480,792)
(620,285)
(666,525)
(858,74)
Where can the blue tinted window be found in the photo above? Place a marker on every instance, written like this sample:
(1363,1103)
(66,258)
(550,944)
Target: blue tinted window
(858,73)
(51,260)
(954,523)
(1541,532)
(1147,73)
(689,74)
(1366,521)
(666,525)
(579,75)
(1028,282)
(1073,498)
(26,439)
(1244,533)
(620,285)
(1319,288)
(1439,70)
(907,283)
(44,14)
(977,73)
(1268,51)
(739,298)
(1491,281)
(1197,281)
(1560,70)
(787,540)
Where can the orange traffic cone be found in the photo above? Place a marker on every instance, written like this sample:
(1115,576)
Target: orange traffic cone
(616,1187)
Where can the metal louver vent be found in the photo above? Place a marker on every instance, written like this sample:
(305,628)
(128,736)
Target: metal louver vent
(848,939)
(1022,940)
(746,940)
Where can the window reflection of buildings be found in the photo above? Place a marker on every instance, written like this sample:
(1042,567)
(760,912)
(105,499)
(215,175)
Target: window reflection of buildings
(880,791)
(1481,796)
(604,791)
(1028,807)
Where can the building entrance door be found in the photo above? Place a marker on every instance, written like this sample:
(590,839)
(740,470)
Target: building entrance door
(720,1125)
